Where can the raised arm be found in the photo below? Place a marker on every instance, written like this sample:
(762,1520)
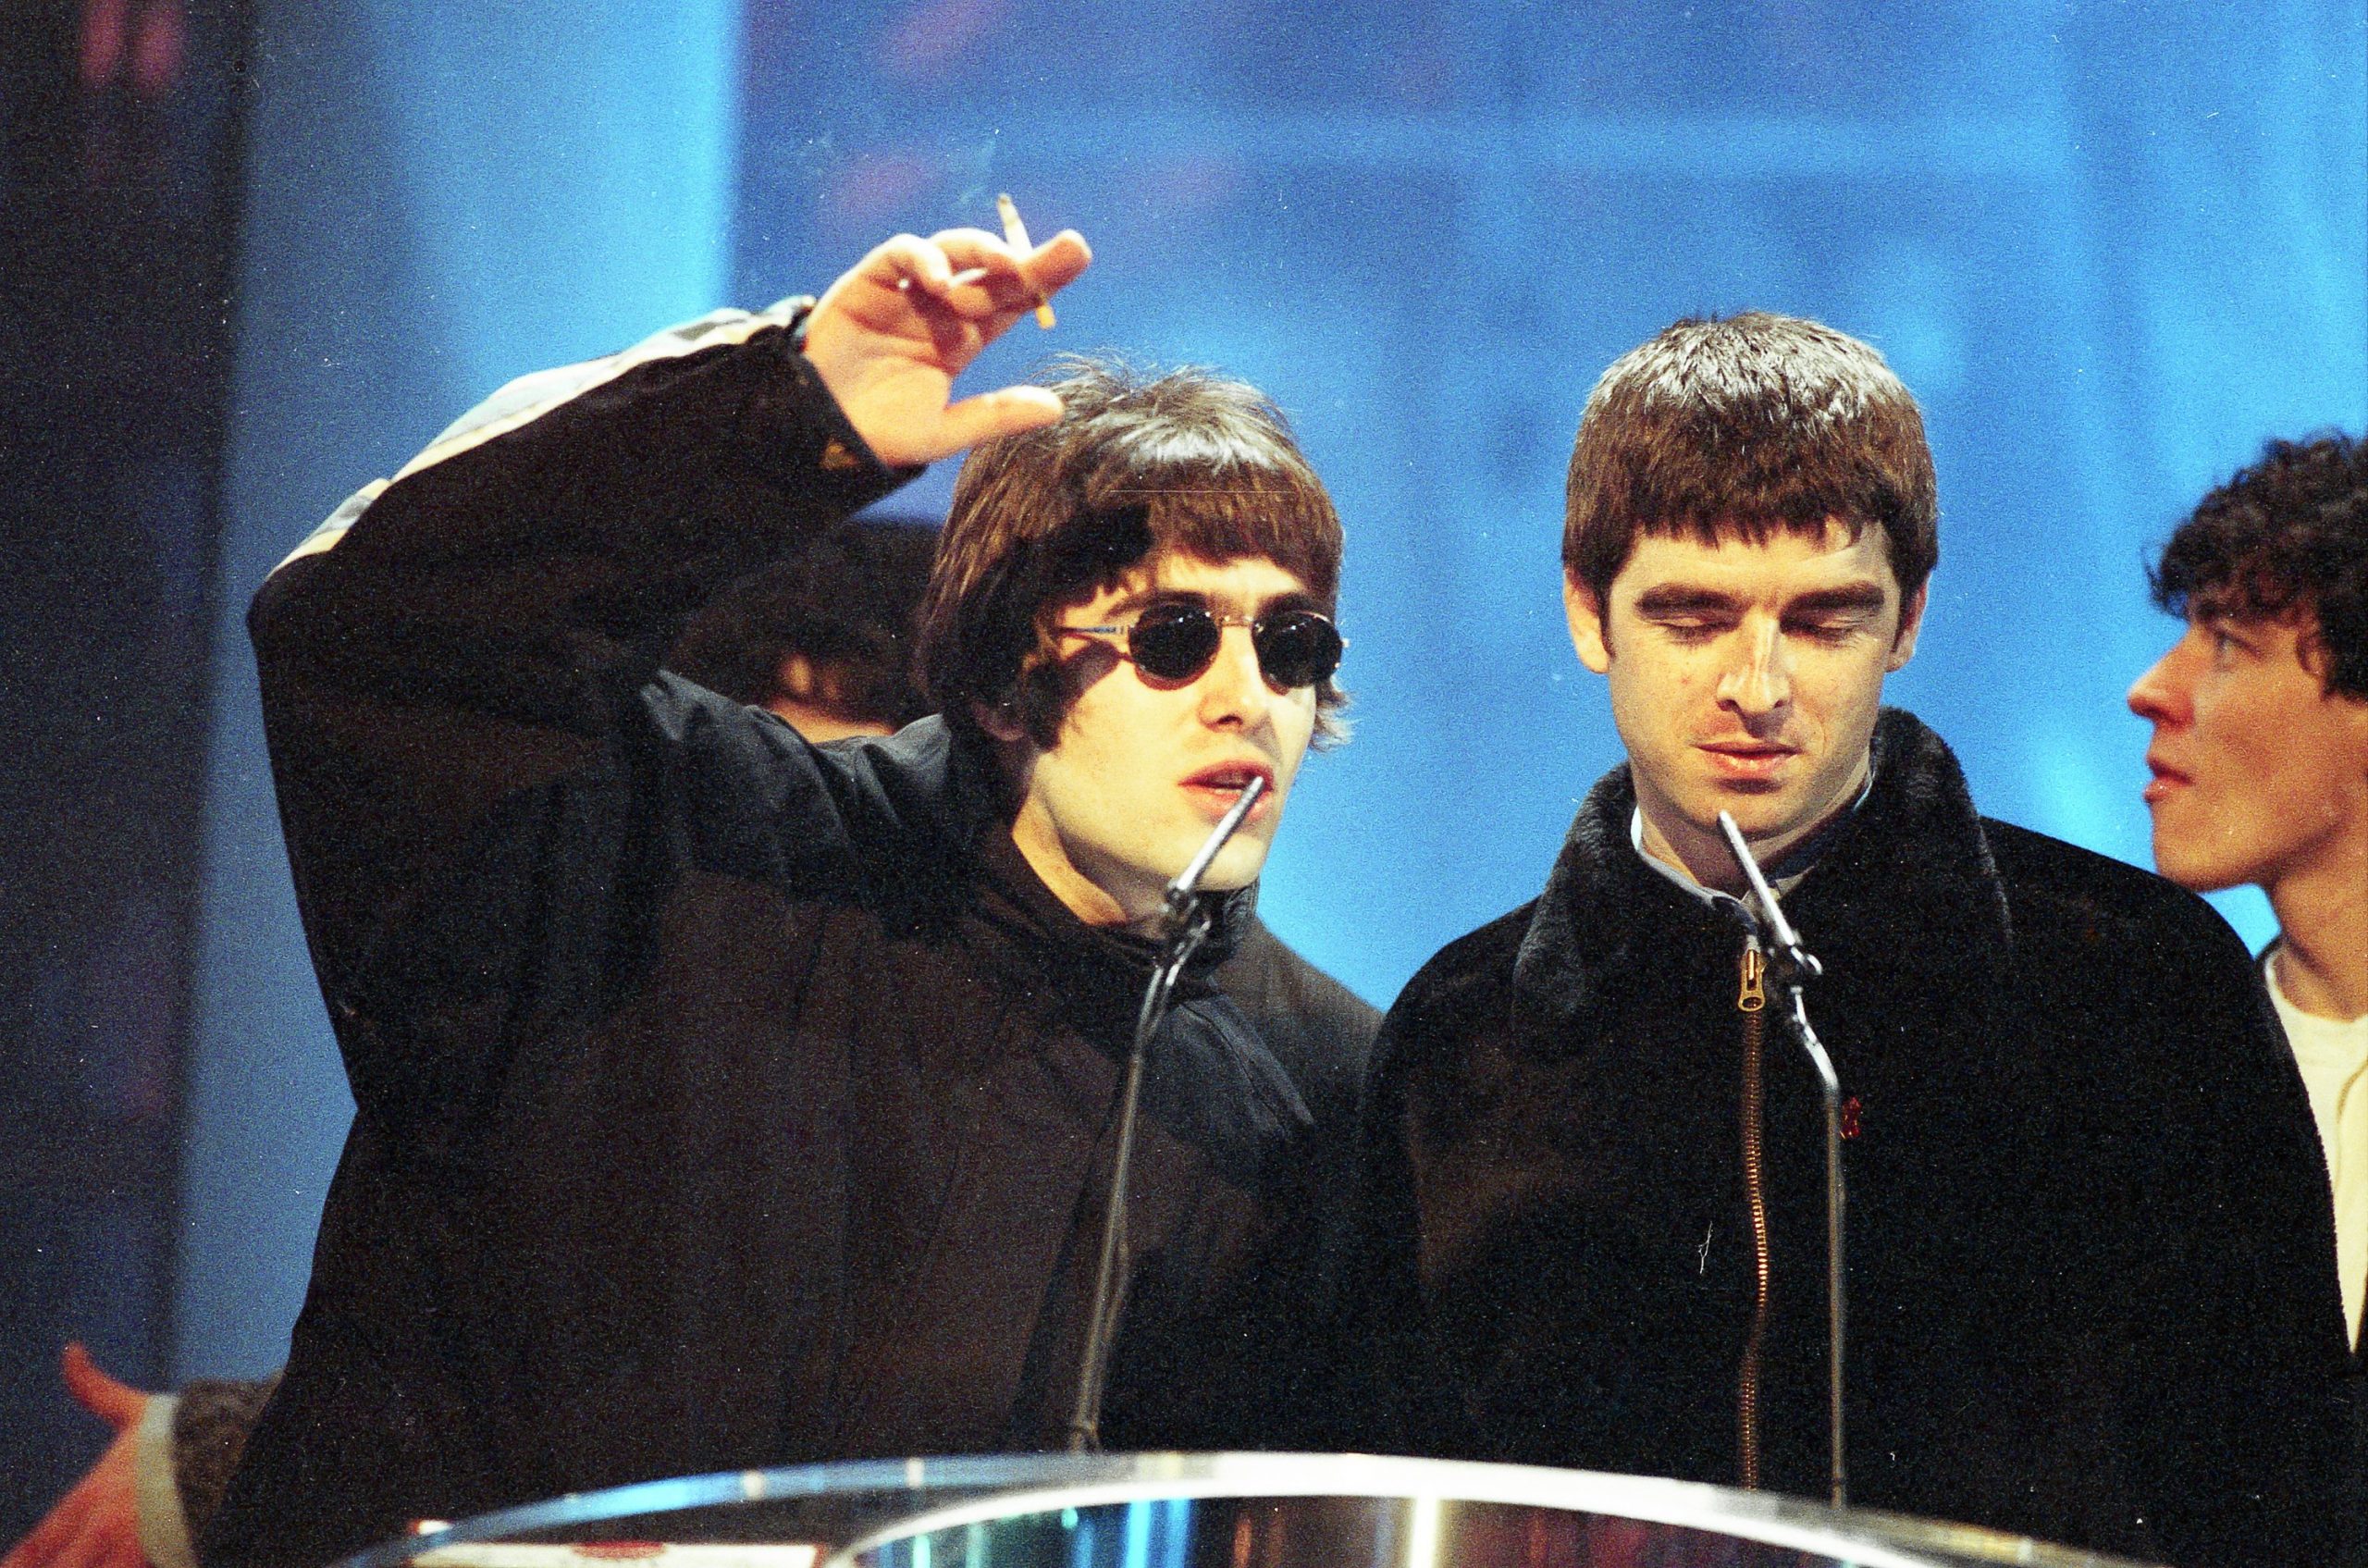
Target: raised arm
(486,631)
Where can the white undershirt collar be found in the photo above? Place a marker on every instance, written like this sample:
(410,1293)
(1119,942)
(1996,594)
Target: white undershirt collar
(1784,877)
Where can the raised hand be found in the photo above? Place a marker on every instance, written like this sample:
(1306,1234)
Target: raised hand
(96,1525)
(890,337)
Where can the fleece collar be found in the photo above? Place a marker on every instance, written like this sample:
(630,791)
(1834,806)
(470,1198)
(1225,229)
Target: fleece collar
(1906,894)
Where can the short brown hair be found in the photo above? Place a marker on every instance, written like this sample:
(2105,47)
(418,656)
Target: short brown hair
(1748,426)
(1140,464)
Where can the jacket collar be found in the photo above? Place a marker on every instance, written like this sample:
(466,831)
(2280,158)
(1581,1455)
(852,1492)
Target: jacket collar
(1210,1079)
(1906,894)
(942,790)
(1099,971)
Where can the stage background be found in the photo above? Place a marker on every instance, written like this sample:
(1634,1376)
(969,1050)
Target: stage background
(2111,246)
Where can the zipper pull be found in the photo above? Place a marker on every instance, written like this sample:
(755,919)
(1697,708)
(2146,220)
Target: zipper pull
(1755,964)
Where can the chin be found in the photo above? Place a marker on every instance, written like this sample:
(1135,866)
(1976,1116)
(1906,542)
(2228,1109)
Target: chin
(2195,873)
(1237,866)
(1760,813)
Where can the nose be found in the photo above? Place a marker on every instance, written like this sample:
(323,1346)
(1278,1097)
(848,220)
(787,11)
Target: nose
(1758,680)
(1233,690)
(2163,694)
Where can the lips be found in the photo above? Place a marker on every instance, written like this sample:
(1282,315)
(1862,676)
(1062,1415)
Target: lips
(2166,779)
(1220,783)
(1747,758)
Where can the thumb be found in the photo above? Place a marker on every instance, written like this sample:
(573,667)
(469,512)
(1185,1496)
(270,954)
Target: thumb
(1005,413)
(116,1404)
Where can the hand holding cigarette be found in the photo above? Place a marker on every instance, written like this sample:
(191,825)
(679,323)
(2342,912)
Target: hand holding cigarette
(889,336)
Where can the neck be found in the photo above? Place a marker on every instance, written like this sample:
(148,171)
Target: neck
(1048,857)
(2322,964)
(1701,852)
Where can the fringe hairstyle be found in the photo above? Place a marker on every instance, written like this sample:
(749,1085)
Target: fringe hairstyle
(1142,464)
(1743,428)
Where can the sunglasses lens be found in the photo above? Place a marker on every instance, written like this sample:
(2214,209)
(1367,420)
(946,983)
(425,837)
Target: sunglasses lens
(1174,642)
(1298,647)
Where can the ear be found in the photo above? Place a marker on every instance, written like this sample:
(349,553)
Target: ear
(1586,614)
(1911,622)
(1001,721)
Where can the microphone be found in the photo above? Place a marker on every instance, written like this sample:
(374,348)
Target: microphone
(1803,965)
(1773,912)
(1187,884)
(1187,921)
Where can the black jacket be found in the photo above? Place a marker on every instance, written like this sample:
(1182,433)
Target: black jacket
(2090,1239)
(721,1101)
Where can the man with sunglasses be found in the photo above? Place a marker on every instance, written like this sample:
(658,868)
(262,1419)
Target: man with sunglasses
(2089,1296)
(822,641)
(725,1101)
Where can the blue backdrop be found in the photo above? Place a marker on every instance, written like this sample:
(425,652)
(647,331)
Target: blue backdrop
(2112,247)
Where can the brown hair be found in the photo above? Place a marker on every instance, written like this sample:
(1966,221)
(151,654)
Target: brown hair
(1748,426)
(1142,463)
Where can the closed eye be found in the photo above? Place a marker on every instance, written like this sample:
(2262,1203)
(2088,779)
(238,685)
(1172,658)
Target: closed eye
(1827,631)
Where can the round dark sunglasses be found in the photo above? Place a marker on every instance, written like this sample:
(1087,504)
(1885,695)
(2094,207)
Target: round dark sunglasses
(1178,642)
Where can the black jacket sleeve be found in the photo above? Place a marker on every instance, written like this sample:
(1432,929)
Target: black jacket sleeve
(491,623)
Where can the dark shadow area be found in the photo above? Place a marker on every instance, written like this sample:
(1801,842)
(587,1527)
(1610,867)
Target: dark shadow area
(119,140)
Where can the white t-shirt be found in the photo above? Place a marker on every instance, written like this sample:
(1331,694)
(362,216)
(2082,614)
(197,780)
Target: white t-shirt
(2333,1054)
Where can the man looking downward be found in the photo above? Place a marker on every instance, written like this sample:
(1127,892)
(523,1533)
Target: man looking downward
(2087,1292)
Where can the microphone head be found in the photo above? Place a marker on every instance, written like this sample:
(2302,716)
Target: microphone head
(1772,912)
(1188,881)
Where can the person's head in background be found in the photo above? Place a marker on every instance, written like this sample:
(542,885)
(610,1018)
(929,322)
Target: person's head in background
(2260,751)
(826,641)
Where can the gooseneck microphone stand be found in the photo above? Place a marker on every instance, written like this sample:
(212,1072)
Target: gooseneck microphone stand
(1185,922)
(1800,967)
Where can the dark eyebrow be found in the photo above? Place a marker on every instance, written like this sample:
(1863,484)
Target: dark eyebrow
(1676,598)
(1134,603)
(1850,598)
(1296,598)
(2221,614)
(1679,599)
(1143,599)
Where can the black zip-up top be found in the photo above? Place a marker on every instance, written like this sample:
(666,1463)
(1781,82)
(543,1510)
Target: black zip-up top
(2090,1291)
(721,1101)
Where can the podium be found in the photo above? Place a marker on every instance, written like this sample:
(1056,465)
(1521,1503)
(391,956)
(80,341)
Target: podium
(1195,1511)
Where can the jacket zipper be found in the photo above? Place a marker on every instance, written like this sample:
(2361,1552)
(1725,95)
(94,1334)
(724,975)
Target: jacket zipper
(1750,1001)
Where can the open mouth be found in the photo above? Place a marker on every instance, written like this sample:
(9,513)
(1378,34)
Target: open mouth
(1221,784)
(2164,780)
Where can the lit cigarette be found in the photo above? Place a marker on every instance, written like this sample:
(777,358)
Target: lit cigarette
(1015,234)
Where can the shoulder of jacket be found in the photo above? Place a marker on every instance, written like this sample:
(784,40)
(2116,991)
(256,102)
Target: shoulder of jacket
(1466,981)
(2063,895)
(1317,991)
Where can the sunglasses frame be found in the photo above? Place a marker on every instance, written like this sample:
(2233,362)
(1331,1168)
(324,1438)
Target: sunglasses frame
(1183,613)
